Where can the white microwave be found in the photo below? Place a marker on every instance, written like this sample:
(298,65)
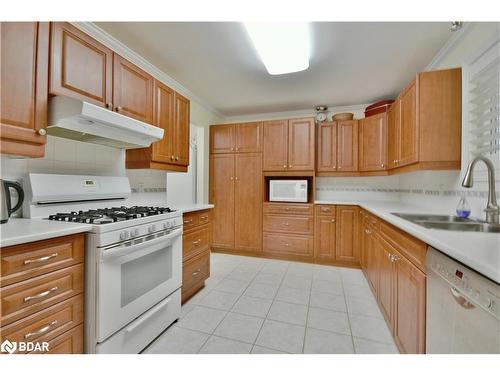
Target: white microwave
(288,190)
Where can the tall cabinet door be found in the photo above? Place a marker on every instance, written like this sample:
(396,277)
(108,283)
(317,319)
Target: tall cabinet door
(275,145)
(386,280)
(181,134)
(248,202)
(24,75)
(222,174)
(373,143)
(327,147)
(222,139)
(347,146)
(324,238)
(81,67)
(164,115)
(347,234)
(248,137)
(301,141)
(409,323)
(132,90)
(408,150)
(393,127)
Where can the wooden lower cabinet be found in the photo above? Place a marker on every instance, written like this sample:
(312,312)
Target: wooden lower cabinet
(324,238)
(196,241)
(346,249)
(386,279)
(42,293)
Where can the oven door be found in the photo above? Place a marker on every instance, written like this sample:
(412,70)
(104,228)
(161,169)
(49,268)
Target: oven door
(135,275)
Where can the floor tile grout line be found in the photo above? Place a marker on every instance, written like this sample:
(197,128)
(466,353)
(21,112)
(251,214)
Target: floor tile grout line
(347,312)
(307,316)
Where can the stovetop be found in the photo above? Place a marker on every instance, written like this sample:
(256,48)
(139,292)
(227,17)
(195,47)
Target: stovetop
(110,215)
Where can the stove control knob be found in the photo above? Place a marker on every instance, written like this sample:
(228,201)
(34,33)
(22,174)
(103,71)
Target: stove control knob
(123,235)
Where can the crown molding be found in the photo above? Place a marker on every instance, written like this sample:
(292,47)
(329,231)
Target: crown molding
(120,48)
(455,38)
(293,114)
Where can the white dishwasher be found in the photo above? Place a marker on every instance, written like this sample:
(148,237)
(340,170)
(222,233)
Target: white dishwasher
(463,308)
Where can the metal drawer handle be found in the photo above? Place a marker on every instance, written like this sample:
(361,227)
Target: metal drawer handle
(195,273)
(41,331)
(41,295)
(368,232)
(196,242)
(190,221)
(326,209)
(286,224)
(457,296)
(42,259)
(286,244)
(203,217)
(395,258)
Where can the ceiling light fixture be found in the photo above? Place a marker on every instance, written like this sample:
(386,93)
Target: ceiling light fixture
(283,47)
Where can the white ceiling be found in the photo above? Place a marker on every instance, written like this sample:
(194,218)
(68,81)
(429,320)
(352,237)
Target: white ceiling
(351,62)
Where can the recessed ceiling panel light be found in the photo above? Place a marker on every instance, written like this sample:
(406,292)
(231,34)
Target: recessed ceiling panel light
(283,47)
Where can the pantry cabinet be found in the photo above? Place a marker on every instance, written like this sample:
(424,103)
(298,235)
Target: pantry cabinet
(289,145)
(337,148)
(236,138)
(80,67)
(373,143)
(236,191)
(23,97)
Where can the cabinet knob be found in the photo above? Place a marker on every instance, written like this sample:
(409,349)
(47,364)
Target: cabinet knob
(382,165)
(290,166)
(236,178)
(109,105)
(231,178)
(118,109)
(42,131)
(286,244)
(172,157)
(333,220)
(176,158)
(284,166)
(339,167)
(232,148)
(237,149)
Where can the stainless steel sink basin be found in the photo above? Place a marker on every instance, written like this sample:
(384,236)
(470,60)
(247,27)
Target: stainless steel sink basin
(445,222)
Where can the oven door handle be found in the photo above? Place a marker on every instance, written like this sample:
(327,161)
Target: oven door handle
(121,251)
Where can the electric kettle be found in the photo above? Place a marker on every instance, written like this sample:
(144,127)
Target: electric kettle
(5,203)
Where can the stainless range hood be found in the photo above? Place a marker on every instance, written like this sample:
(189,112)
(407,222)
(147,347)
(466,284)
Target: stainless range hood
(81,121)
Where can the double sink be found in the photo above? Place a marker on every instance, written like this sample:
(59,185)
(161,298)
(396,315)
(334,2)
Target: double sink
(445,222)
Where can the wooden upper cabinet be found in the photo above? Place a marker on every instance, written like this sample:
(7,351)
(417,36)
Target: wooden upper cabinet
(24,77)
(347,146)
(408,133)
(164,117)
(409,308)
(373,143)
(222,139)
(81,67)
(346,249)
(275,145)
(393,125)
(132,90)
(181,130)
(327,147)
(301,141)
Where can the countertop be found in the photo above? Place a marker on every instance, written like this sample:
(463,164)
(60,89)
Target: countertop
(193,207)
(18,231)
(479,251)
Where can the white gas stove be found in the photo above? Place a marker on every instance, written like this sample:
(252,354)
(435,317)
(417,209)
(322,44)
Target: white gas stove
(133,257)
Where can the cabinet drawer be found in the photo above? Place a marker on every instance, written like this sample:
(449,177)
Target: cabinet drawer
(195,242)
(289,224)
(288,244)
(27,297)
(195,270)
(288,208)
(193,219)
(70,342)
(46,324)
(24,261)
(325,210)
(413,249)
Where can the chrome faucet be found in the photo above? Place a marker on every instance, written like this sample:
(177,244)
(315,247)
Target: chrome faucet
(492,209)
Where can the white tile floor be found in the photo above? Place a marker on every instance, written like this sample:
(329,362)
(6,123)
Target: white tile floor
(253,305)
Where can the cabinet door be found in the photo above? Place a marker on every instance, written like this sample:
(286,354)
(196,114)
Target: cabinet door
(408,149)
(222,139)
(132,90)
(347,234)
(181,130)
(23,96)
(347,146)
(409,315)
(301,141)
(248,202)
(373,143)
(371,258)
(275,145)
(393,127)
(327,147)
(81,67)
(222,197)
(164,114)
(248,137)
(324,238)
(386,280)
